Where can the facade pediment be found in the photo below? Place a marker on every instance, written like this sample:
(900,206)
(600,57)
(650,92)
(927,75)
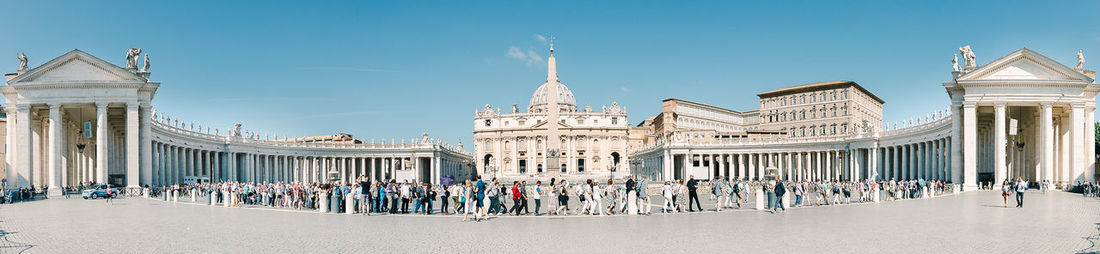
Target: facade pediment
(76,67)
(1025,64)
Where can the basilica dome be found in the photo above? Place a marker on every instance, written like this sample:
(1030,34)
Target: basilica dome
(539,100)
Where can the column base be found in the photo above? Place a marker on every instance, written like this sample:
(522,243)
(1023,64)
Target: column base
(969,187)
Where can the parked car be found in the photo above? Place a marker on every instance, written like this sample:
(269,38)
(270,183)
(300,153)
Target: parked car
(99,191)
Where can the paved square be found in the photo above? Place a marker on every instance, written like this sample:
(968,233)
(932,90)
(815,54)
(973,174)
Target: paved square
(973,222)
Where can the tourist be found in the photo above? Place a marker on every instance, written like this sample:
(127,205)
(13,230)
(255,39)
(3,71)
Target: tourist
(515,198)
(780,189)
(417,197)
(1006,188)
(643,196)
(493,192)
(480,211)
(1021,187)
(563,197)
(523,197)
(737,189)
(552,203)
(110,194)
(693,194)
(612,196)
(719,191)
(596,198)
(798,191)
(467,199)
(444,199)
(538,197)
(678,195)
(666,192)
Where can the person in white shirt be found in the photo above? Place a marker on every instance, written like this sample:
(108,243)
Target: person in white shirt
(581,197)
(596,198)
(1021,187)
(666,191)
(537,195)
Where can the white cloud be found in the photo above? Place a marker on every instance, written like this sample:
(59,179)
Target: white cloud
(540,38)
(624,89)
(529,57)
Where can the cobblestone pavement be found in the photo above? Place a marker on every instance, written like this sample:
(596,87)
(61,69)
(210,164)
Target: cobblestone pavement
(973,222)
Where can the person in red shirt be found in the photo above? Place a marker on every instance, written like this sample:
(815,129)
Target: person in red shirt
(515,197)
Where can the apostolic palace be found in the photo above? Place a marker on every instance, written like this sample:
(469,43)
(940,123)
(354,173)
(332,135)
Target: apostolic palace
(80,119)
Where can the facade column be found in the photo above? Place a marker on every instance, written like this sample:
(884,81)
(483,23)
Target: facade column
(101,142)
(146,141)
(872,167)
(1077,143)
(999,141)
(133,177)
(970,146)
(55,131)
(1090,147)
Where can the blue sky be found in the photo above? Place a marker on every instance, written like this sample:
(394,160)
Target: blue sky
(381,70)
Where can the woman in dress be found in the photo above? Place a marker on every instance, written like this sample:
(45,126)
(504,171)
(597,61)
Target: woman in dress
(612,196)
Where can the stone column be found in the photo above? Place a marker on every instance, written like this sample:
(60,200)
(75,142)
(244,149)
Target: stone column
(100,142)
(872,168)
(999,141)
(133,152)
(970,146)
(11,148)
(1077,143)
(55,131)
(1090,148)
(146,141)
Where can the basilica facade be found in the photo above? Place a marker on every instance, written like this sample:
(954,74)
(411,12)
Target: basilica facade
(552,137)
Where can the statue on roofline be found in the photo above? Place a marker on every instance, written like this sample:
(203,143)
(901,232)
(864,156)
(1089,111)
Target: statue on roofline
(132,58)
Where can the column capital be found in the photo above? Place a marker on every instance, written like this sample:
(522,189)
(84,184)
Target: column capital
(132,105)
(54,105)
(1046,104)
(100,105)
(969,104)
(999,104)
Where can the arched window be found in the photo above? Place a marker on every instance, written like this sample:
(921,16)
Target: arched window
(489,144)
(522,143)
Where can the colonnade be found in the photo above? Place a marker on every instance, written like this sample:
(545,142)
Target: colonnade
(175,164)
(929,160)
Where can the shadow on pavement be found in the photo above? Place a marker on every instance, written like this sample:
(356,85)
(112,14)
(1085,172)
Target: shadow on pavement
(8,246)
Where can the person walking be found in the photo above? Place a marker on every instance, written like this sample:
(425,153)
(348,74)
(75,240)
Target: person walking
(1021,187)
(666,192)
(693,194)
(780,189)
(562,191)
(538,197)
(515,198)
(1006,188)
(110,194)
(523,197)
(643,196)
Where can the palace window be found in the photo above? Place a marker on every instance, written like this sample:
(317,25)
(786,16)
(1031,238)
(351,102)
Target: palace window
(488,144)
(614,120)
(488,122)
(522,143)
